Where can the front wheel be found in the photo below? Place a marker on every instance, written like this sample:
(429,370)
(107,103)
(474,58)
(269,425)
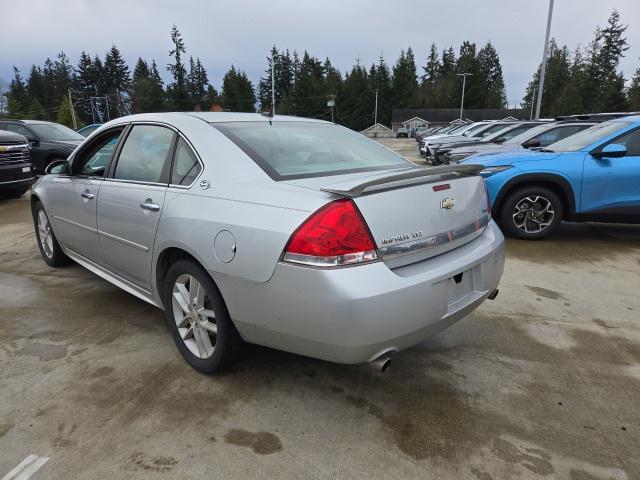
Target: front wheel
(47,242)
(531,213)
(198,318)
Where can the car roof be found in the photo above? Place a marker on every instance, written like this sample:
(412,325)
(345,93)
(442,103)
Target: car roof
(30,122)
(215,117)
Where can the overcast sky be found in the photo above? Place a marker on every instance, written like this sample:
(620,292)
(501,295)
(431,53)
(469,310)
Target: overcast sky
(241,32)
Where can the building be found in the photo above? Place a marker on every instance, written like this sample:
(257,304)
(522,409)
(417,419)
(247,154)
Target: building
(437,117)
(377,130)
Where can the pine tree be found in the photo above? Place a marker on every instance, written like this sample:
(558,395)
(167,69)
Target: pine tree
(17,96)
(177,91)
(433,66)
(117,83)
(237,91)
(309,94)
(85,84)
(355,102)
(147,94)
(405,83)
(633,94)
(381,80)
(197,84)
(488,60)
(64,113)
(474,93)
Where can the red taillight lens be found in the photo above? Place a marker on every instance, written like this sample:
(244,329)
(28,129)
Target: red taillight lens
(336,235)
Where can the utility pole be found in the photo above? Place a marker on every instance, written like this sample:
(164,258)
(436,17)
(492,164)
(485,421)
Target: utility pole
(375,115)
(464,84)
(543,67)
(73,112)
(533,96)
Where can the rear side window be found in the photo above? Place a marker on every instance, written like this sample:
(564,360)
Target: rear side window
(144,154)
(185,165)
(287,150)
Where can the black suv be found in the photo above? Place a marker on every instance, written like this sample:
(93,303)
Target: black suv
(49,141)
(16,172)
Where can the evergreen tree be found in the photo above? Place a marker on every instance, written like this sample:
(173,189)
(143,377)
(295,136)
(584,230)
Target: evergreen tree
(405,83)
(177,91)
(433,66)
(237,91)
(35,86)
(285,73)
(633,94)
(355,103)
(146,92)
(17,96)
(86,86)
(474,93)
(198,83)
(380,79)
(64,113)
(309,93)
(117,83)
(35,110)
(495,95)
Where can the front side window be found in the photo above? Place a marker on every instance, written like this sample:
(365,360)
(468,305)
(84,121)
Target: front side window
(144,154)
(286,150)
(93,158)
(631,140)
(185,165)
(587,137)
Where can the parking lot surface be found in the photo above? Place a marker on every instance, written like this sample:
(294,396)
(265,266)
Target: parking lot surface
(543,382)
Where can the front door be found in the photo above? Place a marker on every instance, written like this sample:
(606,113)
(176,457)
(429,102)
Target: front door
(73,201)
(612,185)
(131,202)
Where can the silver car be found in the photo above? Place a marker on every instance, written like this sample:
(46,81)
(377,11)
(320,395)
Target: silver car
(292,233)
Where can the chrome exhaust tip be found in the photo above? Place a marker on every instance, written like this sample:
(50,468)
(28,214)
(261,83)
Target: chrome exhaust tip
(382,363)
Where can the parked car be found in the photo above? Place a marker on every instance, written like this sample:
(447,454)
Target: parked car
(538,136)
(48,141)
(278,231)
(471,132)
(402,132)
(89,129)
(592,175)
(16,172)
(440,151)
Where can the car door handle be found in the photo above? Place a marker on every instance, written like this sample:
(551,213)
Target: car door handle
(149,205)
(88,195)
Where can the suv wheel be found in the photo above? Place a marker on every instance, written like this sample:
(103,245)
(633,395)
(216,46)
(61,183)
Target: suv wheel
(47,242)
(198,318)
(531,213)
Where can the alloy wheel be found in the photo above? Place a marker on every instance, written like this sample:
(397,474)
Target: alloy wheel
(194,317)
(45,235)
(533,214)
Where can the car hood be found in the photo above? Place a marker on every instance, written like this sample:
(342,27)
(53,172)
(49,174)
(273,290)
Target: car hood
(510,158)
(11,138)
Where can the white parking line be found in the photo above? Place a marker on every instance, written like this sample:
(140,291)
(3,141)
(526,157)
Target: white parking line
(26,468)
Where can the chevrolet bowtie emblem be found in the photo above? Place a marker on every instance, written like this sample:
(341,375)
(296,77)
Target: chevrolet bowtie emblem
(447,203)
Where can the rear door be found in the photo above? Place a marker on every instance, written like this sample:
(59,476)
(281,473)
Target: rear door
(131,202)
(612,185)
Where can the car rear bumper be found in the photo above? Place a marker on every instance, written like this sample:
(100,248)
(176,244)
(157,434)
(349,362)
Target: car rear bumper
(352,315)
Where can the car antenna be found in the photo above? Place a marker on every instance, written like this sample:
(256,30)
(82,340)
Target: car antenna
(268,114)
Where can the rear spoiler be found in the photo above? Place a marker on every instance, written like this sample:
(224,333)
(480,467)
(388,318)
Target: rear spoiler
(359,189)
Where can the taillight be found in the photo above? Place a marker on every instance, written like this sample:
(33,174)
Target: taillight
(334,236)
(486,193)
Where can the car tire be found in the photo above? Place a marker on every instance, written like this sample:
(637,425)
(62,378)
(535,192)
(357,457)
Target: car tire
(531,213)
(18,192)
(198,319)
(48,244)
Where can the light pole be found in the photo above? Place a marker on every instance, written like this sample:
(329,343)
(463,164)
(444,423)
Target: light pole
(543,67)
(375,114)
(464,84)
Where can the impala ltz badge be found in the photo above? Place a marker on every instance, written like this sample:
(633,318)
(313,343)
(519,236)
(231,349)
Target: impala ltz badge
(447,203)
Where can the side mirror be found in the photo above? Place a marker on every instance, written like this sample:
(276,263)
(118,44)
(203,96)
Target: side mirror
(532,143)
(58,167)
(613,150)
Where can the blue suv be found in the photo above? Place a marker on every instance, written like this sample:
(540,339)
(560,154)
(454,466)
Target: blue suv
(593,175)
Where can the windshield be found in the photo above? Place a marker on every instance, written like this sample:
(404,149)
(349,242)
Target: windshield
(508,132)
(54,131)
(532,133)
(586,137)
(286,150)
(473,129)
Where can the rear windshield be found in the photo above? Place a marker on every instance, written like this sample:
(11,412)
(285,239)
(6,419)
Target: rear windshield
(286,150)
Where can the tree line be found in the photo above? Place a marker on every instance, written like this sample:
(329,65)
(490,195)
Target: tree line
(102,88)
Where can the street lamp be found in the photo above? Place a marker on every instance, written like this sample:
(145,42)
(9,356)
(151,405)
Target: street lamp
(464,84)
(543,67)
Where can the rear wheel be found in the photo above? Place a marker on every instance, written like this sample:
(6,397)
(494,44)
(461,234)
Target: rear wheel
(531,213)
(198,318)
(47,242)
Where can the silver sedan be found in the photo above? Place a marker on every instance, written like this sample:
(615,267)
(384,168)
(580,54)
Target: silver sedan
(292,233)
